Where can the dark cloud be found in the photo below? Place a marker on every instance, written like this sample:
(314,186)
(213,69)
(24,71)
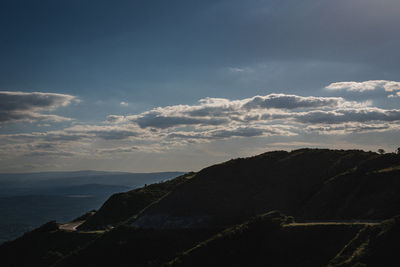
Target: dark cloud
(50,153)
(46,146)
(21,106)
(15,116)
(347,128)
(243,132)
(348,115)
(62,136)
(77,133)
(211,111)
(117,150)
(159,121)
(232,132)
(282,101)
(114,134)
(13,101)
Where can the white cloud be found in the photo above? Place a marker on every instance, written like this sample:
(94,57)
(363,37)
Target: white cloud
(388,86)
(240,70)
(123,103)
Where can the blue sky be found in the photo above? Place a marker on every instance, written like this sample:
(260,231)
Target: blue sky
(116,85)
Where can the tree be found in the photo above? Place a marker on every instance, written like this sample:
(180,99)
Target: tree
(398,150)
(381,151)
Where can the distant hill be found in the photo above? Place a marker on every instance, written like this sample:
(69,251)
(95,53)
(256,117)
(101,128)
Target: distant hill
(26,183)
(307,207)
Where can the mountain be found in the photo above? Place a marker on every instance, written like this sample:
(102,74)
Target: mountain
(307,207)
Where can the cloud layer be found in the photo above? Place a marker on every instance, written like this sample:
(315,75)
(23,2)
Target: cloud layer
(262,114)
(214,112)
(172,127)
(22,106)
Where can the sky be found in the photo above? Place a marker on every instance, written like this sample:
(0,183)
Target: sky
(145,86)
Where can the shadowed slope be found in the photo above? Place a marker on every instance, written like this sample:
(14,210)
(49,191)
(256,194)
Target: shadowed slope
(374,246)
(128,246)
(358,194)
(231,192)
(43,246)
(266,240)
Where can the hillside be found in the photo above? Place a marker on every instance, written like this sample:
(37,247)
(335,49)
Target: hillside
(122,206)
(308,184)
(308,207)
